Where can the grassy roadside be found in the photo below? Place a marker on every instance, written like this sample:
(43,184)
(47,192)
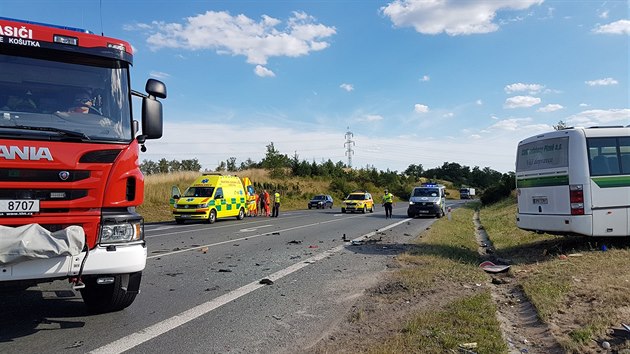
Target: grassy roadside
(443,293)
(577,289)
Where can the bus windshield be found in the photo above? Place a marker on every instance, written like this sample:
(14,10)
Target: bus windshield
(49,94)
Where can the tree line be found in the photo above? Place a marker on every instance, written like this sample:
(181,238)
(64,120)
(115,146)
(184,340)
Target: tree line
(345,179)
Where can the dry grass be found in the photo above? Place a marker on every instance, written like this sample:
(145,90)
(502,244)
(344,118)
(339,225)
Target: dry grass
(579,290)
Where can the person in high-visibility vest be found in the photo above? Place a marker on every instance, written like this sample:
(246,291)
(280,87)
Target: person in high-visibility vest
(388,201)
(276,204)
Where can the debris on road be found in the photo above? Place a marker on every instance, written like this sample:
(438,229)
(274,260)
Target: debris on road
(295,242)
(266,281)
(223,270)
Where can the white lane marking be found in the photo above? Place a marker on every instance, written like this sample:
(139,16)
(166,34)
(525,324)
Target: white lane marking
(180,231)
(144,335)
(253,228)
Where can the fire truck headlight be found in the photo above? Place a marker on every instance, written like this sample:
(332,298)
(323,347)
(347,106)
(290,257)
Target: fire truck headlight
(122,232)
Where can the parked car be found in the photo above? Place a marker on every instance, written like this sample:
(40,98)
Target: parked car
(321,201)
(358,201)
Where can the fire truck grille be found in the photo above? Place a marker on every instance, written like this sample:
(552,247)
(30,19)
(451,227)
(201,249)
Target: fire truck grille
(33,175)
(43,194)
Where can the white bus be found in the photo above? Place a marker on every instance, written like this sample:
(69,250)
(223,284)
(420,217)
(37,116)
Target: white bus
(575,181)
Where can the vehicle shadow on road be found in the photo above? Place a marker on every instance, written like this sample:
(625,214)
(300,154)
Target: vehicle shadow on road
(23,313)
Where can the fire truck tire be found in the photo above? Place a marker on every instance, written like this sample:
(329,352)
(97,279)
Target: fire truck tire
(241,214)
(107,298)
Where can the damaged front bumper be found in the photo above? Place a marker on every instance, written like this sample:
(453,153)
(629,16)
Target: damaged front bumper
(39,255)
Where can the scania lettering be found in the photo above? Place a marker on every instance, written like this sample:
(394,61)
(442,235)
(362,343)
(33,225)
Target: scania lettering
(25,153)
(69,175)
(575,182)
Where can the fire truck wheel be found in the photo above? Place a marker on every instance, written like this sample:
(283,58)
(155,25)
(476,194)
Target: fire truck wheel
(212,217)
(241,214)
(107,298)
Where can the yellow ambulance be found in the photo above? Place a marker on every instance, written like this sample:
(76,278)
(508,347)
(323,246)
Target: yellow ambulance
(211,196)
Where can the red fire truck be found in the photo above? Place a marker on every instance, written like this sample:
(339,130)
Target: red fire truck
(69,172)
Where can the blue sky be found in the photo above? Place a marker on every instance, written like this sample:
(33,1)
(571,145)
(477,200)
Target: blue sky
(416,82)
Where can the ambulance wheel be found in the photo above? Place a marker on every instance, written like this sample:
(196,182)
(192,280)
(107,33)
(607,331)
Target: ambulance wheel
(212,217)
(241,214)
(343,210)
(179,221)
(109,297)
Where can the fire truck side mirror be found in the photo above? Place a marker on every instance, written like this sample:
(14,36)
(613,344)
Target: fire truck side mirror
(152,110)
(156,88)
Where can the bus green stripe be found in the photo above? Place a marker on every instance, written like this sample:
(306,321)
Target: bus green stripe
(543,181)
(612,182)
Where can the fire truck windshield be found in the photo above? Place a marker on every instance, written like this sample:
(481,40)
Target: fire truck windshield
(86,95)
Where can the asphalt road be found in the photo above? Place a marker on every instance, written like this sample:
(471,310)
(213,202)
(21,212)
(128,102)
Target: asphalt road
(201,290)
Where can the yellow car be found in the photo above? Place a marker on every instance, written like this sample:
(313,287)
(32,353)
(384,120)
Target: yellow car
(358,201)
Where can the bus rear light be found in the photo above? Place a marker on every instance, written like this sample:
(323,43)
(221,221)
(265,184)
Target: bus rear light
(576,193)
(576,198)
(577,208)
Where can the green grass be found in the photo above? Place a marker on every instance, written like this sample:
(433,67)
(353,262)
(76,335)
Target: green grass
(465,320)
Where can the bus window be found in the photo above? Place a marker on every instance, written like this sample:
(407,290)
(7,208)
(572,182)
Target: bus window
(603,156)
(624,150)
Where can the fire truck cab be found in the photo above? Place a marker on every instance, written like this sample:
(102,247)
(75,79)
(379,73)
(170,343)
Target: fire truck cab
(69,172)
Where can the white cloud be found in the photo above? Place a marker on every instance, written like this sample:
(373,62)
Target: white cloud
(159,75)
(602,82)
(521,101)
(479,102)
(371,118)
(520,87)
(425,78)
(263,72)
(550,108)
(347,87)
(617,27)
(521,125)
(583,105)
(603,14)
(475,136)
(420,108)
(600,117)
(451,17)
(448,115)
(241,35)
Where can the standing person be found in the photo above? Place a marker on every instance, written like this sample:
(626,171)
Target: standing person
(261,203)
(388,200)
(276,204)
(267,203)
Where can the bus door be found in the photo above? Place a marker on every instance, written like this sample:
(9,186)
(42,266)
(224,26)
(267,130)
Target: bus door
(610,185)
